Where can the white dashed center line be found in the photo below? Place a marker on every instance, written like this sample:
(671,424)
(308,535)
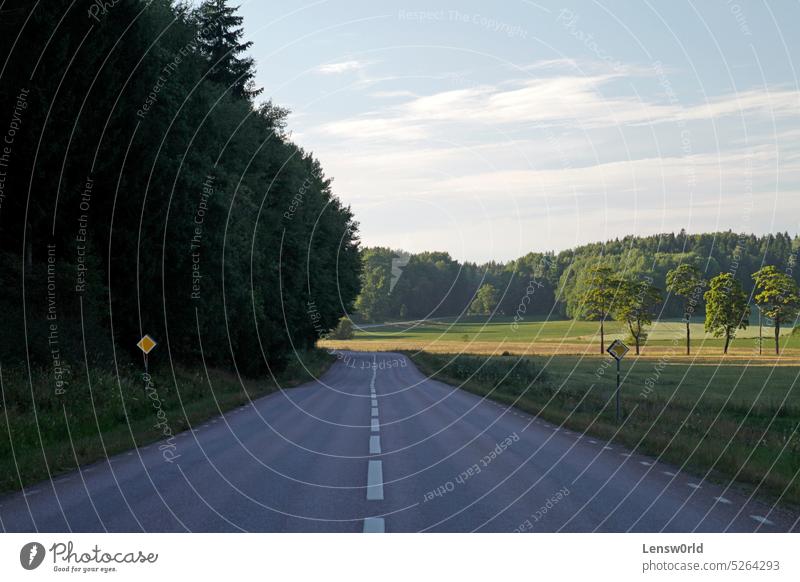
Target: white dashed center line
(374,525)
(374,468)
(374,445)
(375,481)
(761,519)
(722,500)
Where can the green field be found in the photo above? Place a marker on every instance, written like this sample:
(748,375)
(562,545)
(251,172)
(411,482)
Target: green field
(478,329)
(480,336)
(503,329)
(721,422)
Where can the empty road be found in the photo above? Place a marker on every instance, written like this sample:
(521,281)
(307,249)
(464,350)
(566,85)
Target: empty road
(376,446)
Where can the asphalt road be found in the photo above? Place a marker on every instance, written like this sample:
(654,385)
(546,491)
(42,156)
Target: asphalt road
(419,455)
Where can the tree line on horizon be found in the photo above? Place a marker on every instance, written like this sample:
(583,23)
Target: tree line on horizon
(557,285)
(147,190)
(635,302)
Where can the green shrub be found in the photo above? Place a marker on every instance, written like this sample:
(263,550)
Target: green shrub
(343,331)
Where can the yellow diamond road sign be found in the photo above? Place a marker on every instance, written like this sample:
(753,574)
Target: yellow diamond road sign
(618,349)
(146,344)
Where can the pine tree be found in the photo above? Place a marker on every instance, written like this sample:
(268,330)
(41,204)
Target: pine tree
(220,43)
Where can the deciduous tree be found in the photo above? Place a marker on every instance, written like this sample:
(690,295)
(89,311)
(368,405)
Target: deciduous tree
(687,282)
(485,300)
(597,301)
(727,309)
(777,296)
(635,306)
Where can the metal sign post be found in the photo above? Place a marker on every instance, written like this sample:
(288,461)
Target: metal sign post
(617,350)
(618,383)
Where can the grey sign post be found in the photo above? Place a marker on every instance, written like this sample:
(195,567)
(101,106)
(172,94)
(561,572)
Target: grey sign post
(618,349)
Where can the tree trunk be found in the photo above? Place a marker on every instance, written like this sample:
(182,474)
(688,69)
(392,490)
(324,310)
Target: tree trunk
(688,339)
(727,341)
(602,337)
(777,336)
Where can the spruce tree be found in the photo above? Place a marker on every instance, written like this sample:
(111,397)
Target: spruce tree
(220,43)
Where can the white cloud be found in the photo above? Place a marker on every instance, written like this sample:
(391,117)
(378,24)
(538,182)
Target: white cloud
(778,102)
(372,128)
(567,101)
(341,67)
(560,160)
(589,66)
(391,94)
(701,176)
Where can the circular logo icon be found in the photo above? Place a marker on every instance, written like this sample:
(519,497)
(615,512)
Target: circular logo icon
(31,555)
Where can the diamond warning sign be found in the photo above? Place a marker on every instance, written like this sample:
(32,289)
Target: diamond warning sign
(146,344)
(618,349)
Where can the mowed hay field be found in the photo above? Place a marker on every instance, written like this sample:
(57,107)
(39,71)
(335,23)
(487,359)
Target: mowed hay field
(566,337)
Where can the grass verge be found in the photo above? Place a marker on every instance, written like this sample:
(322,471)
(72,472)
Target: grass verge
(735,423)
(42,434)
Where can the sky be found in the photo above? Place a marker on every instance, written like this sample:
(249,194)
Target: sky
(493,129)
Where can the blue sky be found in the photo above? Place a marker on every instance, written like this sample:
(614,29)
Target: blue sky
(491,129)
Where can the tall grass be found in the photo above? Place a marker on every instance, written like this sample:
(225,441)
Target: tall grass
(749,438)
(42,433)
(509,374)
